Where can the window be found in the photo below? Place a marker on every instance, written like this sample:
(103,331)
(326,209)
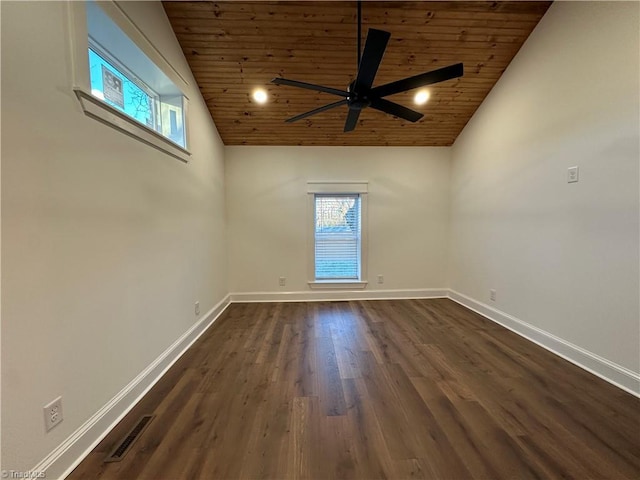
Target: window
(338,235)
(113,87)
(123,81)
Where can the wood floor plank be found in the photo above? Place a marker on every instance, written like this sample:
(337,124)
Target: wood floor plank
(456,429)
(346,354)
(436,453)
(279,361)
(508,458)
(368,444)
(329,381)
(387,389)
(337,454)
(400,443)
(363,318)
(299,370)
(303,429)
(263,448)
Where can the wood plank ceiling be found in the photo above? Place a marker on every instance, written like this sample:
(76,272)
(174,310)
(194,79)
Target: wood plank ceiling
(234,46)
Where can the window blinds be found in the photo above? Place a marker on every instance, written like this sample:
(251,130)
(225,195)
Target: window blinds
(337,237)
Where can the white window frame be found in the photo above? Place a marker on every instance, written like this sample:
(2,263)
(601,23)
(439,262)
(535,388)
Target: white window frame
(101,111)
(337,188)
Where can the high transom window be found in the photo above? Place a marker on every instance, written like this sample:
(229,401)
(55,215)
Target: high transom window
(122,80)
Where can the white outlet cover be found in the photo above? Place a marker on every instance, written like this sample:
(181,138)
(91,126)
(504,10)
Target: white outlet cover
(53,413)
(572,174)
(197,308)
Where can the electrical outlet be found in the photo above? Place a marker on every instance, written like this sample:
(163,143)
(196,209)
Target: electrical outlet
(197,308)
(380,278)
(572,174)
(492,295)
(282,281)
(53,414)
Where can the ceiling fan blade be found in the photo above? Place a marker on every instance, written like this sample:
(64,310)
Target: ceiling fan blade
(352,119)
(396,109)
(309,86)
(316,110)
(421,80)
(371,57)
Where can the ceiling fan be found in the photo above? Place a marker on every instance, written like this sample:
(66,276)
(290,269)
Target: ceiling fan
(361,94)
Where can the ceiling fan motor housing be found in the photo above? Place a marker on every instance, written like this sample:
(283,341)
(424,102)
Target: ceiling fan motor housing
(357,100)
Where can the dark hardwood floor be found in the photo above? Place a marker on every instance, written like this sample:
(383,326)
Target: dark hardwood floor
(374,389)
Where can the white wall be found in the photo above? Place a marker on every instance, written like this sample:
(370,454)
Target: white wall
(562,257)
(106,242)
(267,212)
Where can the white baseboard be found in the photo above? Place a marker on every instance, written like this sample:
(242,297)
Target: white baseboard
(613,373)
(322,296)
(61,462)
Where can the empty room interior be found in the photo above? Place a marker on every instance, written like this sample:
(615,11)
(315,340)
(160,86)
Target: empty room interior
(306,239)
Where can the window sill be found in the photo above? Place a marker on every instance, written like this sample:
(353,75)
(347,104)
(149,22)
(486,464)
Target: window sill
(338,285)
(110,116)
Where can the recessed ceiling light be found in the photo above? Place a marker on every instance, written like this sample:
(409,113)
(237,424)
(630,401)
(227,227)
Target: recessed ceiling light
(259,95)
(421,97)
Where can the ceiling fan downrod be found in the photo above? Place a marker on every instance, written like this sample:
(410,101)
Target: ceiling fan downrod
(359,32)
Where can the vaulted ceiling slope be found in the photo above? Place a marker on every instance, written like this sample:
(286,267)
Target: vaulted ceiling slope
(236,46)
